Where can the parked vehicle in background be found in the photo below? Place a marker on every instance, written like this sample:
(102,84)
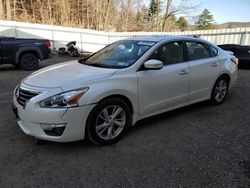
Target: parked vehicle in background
(99,97)
(24,53)
(240,51)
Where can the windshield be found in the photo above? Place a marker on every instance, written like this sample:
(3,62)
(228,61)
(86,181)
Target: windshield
(120,54)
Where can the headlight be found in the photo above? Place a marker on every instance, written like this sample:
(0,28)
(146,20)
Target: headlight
(64,100)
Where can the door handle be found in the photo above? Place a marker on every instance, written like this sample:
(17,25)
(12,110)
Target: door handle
(214,64)
(183,72)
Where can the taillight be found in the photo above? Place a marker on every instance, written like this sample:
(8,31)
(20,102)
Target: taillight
(47,43)
(235,60)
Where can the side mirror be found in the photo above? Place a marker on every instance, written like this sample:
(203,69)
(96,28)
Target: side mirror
(153,64)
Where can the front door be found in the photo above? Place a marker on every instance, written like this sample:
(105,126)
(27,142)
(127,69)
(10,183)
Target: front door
(165,88)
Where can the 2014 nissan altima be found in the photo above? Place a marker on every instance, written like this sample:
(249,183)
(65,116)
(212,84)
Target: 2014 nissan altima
(99,97)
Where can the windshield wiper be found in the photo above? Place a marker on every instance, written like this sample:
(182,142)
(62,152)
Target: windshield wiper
(94,65)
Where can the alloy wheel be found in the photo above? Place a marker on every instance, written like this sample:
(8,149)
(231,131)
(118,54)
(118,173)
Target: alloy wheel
(221,90)
(30,61)
(110,122)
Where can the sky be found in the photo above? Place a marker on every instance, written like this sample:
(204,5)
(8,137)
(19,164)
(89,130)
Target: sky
(222,10)
(227,10)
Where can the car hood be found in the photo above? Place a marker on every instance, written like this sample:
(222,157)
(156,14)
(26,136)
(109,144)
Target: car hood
(67,75)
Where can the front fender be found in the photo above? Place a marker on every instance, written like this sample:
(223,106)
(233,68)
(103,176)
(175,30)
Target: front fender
(99,91)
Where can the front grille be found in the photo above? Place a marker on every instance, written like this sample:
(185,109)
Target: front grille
(23,95)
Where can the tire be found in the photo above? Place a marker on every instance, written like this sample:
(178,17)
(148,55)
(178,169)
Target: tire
(29,62)
(102,128)
(219,91)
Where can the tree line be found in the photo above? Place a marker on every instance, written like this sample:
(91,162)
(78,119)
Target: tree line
(106,15)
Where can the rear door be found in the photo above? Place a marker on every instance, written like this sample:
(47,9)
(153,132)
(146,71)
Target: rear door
(204,69)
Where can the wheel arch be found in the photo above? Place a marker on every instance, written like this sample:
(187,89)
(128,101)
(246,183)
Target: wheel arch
(23,51)
(122,97)
(227,78)
(224,75)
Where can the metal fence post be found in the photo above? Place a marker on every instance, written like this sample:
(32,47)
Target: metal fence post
(247,39)
(15,32)
(81,41)
(108,38)
(52,36)
(243,38)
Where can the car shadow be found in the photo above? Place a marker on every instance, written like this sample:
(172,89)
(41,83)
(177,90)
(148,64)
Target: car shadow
(156,119)
(8,68)
(139,126)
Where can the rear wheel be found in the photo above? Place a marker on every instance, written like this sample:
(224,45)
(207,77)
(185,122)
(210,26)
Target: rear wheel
(29,61)
(108,121)
(220,90)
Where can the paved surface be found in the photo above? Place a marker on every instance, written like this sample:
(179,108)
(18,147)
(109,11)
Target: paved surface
(196,146)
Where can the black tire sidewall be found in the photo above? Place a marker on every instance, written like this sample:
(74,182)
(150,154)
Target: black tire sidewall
(212,99)
(24,66)
(90,128)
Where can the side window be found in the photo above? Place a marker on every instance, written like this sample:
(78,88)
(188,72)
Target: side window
(197,50)
(214,51)
(169,53)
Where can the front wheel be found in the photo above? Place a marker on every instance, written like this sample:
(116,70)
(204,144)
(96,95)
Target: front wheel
(219,91)
(108,121)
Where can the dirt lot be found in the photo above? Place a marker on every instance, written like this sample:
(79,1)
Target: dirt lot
(196,146)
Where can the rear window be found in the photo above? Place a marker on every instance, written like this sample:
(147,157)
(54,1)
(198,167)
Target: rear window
(197,50)
(214,51)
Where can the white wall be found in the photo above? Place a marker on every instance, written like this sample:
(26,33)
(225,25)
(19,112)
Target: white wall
(91,40)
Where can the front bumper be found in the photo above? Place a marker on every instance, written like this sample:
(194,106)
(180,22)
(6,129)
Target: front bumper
(31,118)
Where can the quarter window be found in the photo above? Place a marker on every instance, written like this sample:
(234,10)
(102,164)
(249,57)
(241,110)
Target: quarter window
(214,51)
(169,53)
(197,50)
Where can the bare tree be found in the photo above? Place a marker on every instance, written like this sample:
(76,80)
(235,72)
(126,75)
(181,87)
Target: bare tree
(8,9)
(175,7)
(1,10)
(120,15)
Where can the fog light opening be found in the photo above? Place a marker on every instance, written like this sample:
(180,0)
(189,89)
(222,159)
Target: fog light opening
(53,129)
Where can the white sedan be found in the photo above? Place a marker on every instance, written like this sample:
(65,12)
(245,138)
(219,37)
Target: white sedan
(99,97)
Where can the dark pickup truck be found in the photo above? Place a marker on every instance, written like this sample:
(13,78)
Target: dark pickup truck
(24,53)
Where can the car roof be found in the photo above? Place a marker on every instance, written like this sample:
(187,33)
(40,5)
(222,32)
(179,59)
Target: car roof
(157,38)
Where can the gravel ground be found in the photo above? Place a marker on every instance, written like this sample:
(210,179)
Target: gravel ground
(196,146)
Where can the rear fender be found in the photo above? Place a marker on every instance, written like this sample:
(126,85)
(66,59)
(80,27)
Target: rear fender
(23,50)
